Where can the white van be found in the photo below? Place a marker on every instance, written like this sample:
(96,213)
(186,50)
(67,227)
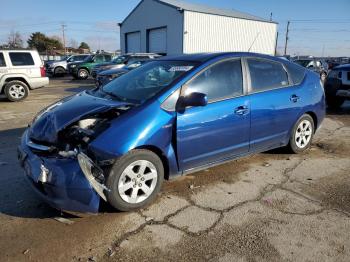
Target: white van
(21,70)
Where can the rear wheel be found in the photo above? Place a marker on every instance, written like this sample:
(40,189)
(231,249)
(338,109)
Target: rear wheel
(135,180)
(16,91)
(59,71)
(83,73)
(302,134)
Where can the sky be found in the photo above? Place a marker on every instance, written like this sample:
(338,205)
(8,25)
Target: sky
(318,27)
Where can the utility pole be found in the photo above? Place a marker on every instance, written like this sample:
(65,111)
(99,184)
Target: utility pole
(287,38)
(64,37)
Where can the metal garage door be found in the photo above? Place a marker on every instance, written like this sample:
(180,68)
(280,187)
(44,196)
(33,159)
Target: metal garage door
(157,41)
(133,42)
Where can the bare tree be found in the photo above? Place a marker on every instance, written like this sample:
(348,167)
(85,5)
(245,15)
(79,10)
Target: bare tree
(73,43)
(15,40)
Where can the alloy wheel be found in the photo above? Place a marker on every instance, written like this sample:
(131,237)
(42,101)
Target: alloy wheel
(17,91)
(137,181)
(303,134)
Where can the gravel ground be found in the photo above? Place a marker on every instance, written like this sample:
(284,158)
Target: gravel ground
(268,207)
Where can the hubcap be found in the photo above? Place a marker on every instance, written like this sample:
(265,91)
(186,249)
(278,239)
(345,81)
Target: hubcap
(83,73)
(303,134)
(137,181)
(17,91)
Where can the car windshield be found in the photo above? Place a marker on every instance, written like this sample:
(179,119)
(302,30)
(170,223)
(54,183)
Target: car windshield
(303,63)
(88,58)
(119,60)
(146,81)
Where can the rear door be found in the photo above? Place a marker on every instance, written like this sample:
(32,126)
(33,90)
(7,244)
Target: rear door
(23,63)
(219,130)
(275,104)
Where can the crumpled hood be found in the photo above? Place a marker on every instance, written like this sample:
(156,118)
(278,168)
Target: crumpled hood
(56,117)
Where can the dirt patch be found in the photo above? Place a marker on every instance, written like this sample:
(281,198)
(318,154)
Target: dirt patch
(227,173)
(248,241)
(333,191)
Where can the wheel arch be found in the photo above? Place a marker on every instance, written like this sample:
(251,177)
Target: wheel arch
(161,155)
(14,78)
(84,67)
(314,118)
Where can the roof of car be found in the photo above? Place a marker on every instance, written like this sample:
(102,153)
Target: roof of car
(343,67)
(203,57)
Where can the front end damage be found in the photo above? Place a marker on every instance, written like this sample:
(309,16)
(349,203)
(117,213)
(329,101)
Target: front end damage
(59,164)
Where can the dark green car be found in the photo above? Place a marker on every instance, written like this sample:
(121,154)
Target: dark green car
(82,70)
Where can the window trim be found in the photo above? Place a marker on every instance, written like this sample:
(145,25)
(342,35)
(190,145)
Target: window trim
(250,88)
(244,79)
(3,56)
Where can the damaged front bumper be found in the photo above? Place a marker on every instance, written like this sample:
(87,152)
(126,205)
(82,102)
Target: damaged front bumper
(60,181)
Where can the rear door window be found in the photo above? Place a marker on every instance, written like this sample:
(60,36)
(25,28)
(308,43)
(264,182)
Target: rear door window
(21,58)
(2,60)
(266,75)
(220,81)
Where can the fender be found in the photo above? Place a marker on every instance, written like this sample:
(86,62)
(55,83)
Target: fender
(11,75)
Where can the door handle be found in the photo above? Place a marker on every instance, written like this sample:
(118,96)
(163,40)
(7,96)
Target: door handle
(294,98)
(241,110)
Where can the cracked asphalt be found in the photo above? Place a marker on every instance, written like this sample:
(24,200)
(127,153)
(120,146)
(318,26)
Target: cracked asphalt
(272,206)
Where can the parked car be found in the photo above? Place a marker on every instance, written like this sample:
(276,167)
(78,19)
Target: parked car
(21,70)
(121,61)
(107,76)
(59,68)
(337,86)
(319,66)
(167,118)
(82,70)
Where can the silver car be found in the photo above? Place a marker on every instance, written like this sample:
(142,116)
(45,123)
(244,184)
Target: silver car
(59,68)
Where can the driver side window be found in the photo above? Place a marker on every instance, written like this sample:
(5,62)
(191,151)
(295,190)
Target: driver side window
(220,81)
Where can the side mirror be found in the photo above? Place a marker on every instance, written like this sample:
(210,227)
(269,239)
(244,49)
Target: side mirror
(193,99)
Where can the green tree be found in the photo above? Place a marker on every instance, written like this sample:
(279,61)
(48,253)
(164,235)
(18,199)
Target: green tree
(84,45)
(43,43)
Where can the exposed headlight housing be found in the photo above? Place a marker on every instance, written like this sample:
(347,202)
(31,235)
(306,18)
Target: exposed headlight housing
(94,174)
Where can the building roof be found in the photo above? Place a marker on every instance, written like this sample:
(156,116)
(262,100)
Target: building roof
(200,8)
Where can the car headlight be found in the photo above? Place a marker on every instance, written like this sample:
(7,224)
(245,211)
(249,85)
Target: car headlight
(73,66)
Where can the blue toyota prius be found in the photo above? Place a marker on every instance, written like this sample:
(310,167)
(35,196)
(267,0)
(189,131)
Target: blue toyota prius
(168,118)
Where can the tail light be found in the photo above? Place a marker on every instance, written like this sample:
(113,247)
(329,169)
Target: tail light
(42,71)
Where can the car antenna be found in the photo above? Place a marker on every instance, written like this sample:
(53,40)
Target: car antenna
(256,37)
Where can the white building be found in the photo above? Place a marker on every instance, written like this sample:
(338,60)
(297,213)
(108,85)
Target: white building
(175,27)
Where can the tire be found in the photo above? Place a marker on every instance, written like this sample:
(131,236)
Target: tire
(83,74)
(59,71)
(16,91)
(128,187)
(302,134)
(334,102)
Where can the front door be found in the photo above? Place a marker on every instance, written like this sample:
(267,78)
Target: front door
(219,130)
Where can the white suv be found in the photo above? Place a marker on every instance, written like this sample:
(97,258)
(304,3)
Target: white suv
(21,70)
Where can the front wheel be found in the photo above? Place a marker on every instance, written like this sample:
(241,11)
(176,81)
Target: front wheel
(135,180)
(302,134)
(83,74)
